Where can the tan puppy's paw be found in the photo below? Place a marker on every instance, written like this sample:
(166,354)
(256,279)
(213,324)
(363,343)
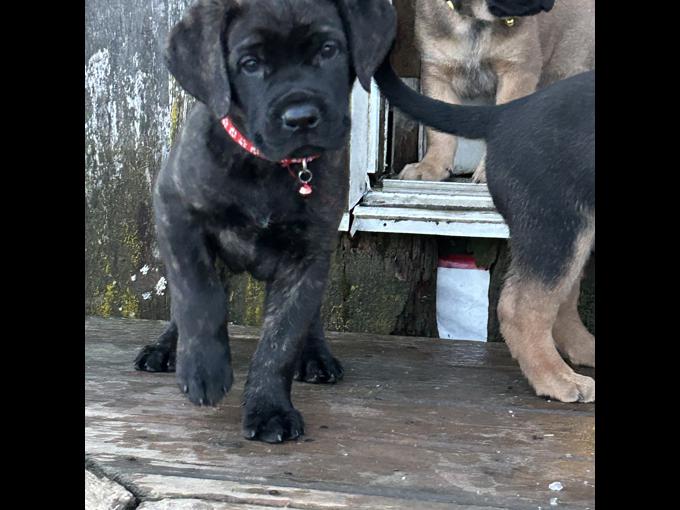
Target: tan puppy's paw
(424,171)
(479,175)
(566,386)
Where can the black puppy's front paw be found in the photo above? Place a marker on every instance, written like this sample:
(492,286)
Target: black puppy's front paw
(156,358)
(272,423)
(318,367)
(204,372)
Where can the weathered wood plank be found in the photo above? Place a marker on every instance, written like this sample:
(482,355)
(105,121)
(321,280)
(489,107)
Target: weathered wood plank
(273,497)
(407,213)
(103,494)
(415,221)
(404,56)
(417,423)
(428,201)
(198,504)
(431,187)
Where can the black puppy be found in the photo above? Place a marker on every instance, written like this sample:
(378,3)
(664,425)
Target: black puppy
(273,81)
(540,167)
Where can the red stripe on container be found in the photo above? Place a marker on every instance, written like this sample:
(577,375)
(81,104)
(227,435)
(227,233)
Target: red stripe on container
(458,262)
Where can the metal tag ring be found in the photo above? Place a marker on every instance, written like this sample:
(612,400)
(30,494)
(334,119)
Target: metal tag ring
(305,175)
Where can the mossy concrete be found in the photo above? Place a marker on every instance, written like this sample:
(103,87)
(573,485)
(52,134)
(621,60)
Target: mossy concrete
(133,109)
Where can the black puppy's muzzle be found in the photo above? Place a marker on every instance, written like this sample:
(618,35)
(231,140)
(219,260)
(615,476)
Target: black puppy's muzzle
(300,122)
(301,116)
(297,111)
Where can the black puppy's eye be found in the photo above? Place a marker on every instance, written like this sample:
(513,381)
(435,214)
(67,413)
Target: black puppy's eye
(328,50)
(250,64)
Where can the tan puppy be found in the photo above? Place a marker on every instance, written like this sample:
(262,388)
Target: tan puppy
(468,53)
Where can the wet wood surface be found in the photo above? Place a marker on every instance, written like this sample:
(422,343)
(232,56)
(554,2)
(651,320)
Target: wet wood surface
(417,423)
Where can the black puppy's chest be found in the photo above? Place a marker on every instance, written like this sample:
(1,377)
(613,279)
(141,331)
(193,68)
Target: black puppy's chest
(257,217)
(255,236)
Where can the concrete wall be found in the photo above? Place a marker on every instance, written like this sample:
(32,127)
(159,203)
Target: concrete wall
(132,112)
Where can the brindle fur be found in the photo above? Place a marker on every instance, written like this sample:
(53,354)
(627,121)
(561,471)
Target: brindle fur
(214,200)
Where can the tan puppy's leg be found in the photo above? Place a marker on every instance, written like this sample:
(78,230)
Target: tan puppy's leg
(512,84)
(572,338)
(441,148)
(528,311)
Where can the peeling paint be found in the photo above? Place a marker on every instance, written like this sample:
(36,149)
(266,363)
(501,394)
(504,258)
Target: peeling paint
(160,286)
(131,106)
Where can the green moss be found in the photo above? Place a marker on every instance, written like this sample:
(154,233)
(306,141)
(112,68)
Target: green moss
(132,243)
(129,304)
(116,301)
(107,299)
(254,298)
(175,114)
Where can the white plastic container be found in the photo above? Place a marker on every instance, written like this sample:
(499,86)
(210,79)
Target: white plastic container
(462,299)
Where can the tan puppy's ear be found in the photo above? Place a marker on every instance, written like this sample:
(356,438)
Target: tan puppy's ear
(194,54)
(371,26)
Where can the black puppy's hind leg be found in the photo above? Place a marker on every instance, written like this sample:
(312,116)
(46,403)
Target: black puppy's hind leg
(159,356)
(316,363)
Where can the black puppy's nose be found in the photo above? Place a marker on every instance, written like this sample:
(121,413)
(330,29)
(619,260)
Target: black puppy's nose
(301,116)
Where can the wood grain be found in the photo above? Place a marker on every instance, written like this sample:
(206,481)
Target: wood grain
(416,423)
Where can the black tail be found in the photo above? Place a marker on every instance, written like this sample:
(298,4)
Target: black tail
(466,121)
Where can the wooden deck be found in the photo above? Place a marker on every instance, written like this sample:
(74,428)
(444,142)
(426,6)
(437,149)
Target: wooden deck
(417,423)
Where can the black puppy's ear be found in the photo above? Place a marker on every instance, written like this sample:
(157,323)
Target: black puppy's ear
(194,54)
(371,27)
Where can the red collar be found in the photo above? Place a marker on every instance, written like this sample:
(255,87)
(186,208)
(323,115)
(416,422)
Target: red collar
(303,176)
(238,137)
